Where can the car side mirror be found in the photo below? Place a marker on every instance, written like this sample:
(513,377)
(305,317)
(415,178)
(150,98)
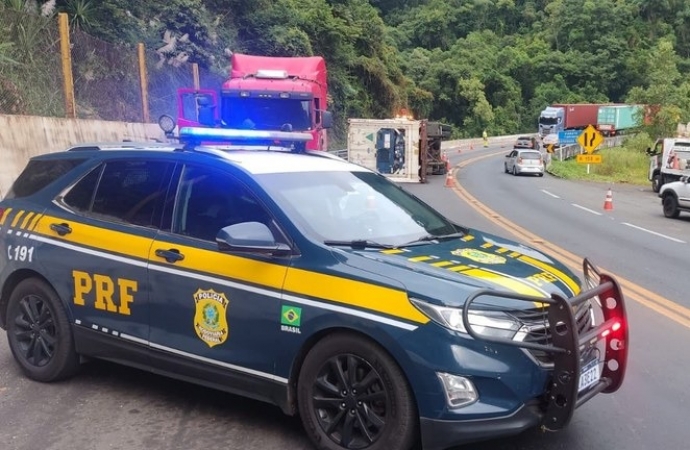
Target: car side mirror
(250,237)
(326,119)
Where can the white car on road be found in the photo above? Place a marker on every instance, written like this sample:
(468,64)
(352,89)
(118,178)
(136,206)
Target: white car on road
(675,197)
(521,161)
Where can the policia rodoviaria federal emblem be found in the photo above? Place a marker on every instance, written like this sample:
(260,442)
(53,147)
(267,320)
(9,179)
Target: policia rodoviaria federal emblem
(210,320)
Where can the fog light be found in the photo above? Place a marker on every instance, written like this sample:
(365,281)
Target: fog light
(459,390)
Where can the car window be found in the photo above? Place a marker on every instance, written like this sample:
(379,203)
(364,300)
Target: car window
(123,191)
(208,200)
(530,155)
(39,174)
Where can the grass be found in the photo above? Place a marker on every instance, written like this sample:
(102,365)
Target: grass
(619,165)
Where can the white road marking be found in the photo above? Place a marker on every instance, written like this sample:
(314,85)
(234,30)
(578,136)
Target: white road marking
(549,193)
(655,233)
(586,209)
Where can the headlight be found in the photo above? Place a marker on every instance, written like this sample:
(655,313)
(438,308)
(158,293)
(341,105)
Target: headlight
(486,323)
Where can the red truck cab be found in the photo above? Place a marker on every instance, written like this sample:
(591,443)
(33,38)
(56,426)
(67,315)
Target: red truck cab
(265,93)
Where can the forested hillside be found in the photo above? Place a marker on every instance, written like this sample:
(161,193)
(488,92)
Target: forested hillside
(478,64)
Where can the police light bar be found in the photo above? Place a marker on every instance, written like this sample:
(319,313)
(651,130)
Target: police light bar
(225,135)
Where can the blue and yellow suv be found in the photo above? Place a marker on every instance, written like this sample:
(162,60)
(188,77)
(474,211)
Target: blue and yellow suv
(302,280)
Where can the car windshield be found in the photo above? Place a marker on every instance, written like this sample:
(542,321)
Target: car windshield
(350,206)
(530,155)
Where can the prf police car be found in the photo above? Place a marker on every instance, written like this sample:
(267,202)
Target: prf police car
(302,280)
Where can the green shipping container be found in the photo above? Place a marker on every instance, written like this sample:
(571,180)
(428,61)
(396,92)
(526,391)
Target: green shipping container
(614,119)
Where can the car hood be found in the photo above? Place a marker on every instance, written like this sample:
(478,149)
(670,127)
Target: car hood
(448,272)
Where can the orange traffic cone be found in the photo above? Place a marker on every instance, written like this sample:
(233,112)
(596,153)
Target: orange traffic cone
(471,146)
(608,202)
(450,181)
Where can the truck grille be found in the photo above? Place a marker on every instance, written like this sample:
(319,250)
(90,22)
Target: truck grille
(536,328)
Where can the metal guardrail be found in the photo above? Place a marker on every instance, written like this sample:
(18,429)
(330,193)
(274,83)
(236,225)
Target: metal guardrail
(570,151)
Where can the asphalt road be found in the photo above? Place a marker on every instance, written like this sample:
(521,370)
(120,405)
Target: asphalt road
(111,407)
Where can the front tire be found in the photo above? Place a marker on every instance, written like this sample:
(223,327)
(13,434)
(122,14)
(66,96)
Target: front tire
(39,333)
(670,205)
(656,183)
(352,395)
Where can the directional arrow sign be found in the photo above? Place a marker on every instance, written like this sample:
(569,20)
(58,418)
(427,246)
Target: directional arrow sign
(590,139)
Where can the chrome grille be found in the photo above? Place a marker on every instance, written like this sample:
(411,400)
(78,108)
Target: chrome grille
(536,328)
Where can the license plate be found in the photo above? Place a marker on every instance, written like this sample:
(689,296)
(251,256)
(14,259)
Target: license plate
(589,375)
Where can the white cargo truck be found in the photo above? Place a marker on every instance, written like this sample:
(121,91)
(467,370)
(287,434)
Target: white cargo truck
(670,160)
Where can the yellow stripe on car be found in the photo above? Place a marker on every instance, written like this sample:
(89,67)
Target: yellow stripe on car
(442,263)
(113,241)
(5,215)
(16,218)
(552,270)
(420,258)
(34,222)
(392,251)
(360,294)
(28,217)
(512,284)
(224,265)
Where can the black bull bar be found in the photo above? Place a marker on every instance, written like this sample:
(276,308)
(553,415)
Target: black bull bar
(567,345)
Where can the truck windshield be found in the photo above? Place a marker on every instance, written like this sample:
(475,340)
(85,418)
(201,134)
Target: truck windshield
(265,113)
(548,120)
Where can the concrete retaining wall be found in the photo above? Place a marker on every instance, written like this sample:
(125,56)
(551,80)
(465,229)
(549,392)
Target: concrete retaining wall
(22,137)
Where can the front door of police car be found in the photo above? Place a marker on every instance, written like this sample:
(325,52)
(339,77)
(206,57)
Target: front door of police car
(208,307)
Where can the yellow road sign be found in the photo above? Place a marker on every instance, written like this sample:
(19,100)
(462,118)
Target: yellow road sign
(589,159)
(549,148)
(590,139)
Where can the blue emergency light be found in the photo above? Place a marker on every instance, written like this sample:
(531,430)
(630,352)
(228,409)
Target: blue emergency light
(231,135)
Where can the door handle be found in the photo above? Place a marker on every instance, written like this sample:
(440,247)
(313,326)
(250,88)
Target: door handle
(61,228)
(172,255)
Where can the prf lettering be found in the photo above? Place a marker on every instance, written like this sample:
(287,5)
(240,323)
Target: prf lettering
(103,292)
(541,278)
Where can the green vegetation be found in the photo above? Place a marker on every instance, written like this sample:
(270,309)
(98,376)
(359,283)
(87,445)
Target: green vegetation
(478,64)
(626,164)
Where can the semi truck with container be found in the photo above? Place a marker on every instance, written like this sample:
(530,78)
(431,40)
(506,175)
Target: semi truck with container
(613,120)
(562,116)
(669,161)
(262,93)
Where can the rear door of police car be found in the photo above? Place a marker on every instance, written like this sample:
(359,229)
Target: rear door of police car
(98,232)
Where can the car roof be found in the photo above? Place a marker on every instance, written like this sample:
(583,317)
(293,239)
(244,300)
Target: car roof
(253,159)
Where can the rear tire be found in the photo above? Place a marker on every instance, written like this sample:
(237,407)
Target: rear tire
(39,332)
(670,205)
(515,172)
(352,395)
